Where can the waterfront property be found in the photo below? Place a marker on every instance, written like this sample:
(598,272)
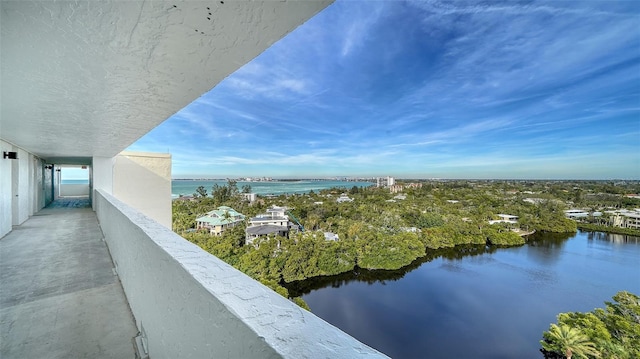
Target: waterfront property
(622,218)
(274,221)
(218,220)
(625,218)
(576,214)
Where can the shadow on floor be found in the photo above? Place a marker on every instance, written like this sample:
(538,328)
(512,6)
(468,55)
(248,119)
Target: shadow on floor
(71,202)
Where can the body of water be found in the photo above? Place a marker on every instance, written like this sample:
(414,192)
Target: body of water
(188,188)
(477,302)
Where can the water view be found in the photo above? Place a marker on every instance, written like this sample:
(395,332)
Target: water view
(477,302)
(188,187)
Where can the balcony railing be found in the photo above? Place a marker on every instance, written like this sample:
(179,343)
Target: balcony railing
(74,190)
(189,304)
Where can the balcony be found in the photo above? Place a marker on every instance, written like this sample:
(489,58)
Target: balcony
(59,295)
(61,298)
(81,82)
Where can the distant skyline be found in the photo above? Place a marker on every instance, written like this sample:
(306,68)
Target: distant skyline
(506,90)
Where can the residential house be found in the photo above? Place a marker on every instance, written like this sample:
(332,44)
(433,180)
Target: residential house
(329,236)
(218,220)
(274,221)
(344,198)
(576,214)
(534,200)
(505,218)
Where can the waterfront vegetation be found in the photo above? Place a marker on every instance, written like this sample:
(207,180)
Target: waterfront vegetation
(594,227)
(380,231)
(612,332)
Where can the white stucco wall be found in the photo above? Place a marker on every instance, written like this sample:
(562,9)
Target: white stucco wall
(143,181)
(56,181)
(5,191)
(89,78)
(32,183)
(47,186)
(20,186)
(193,305)
(35,184)
(102,173)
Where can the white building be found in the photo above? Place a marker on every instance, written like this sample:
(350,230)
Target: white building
(275,215)
(505,218)
(625,218)
(576,214)
(534,200)
(344,198)
(251,197)
(385,181)
(82,81)
(330,236)
(274,221)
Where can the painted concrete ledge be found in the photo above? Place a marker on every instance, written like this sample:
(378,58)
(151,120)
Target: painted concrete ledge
(190,304)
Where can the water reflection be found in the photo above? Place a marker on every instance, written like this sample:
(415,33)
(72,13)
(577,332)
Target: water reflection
(300,288)
(612,237)
(548,247)
(475,301)
(548,250)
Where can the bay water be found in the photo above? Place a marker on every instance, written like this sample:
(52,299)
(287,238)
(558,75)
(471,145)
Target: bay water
(188,187)
(477,302)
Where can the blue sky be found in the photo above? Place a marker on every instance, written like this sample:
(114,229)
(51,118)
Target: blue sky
(426,90)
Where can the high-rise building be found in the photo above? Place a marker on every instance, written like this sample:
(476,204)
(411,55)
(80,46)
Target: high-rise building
(385,181)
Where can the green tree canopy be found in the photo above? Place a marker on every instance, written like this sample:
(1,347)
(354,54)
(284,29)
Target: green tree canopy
(612,332)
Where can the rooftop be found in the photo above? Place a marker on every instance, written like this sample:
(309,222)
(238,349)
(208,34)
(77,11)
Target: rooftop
(222,215)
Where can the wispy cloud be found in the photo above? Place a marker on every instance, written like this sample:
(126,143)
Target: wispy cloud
(453,89)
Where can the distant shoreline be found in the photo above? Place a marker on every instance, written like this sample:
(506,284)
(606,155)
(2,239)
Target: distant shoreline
(279,180)
(186,187)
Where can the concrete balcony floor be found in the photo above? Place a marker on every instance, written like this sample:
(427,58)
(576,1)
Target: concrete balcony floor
(59,297)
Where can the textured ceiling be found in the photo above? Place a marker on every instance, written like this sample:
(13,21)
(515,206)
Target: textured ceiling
(88,78)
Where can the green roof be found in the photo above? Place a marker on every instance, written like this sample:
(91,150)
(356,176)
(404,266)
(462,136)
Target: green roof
(218,216)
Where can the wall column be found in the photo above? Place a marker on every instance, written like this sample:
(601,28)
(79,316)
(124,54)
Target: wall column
(102,175)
